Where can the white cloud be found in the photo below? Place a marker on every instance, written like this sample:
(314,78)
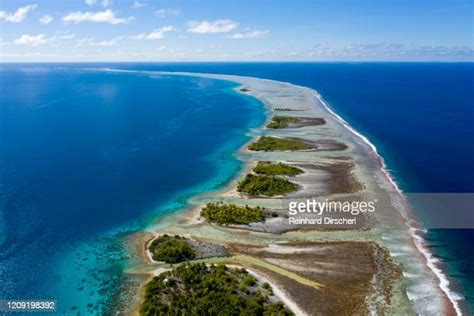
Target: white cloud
(104,3)
(107,16)
(163,13)
(19,15)
(105,43)
(27,39)
(217,26)
(88,41)
(40,39)
(156,34)
(249,34)
(137,5)
(111,42)
(46,19)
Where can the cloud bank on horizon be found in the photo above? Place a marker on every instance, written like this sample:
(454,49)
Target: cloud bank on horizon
(130,30)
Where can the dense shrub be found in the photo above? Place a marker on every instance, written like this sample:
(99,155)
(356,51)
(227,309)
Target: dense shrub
(280,121)
(265,185)
(266,143)
(171,249)
(198,289)
(221,213)
(276,169)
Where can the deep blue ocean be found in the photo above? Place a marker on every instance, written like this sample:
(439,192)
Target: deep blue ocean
(85,157)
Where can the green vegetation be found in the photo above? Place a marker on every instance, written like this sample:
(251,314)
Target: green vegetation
(280,121)
(198,289)
(265,185)
(225,214)
(249,280)
(267,286)
(276,169)
(171,249)
(266,143)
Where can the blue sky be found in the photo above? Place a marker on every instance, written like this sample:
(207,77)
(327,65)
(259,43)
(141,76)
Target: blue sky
(228,30)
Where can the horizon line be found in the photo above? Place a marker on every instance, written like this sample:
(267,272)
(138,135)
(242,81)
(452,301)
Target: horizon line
(239,61)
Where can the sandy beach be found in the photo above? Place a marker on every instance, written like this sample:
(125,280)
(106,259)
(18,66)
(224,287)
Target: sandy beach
(380,264)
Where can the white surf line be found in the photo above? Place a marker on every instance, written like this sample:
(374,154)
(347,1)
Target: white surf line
(443,284)
(453,297)
(418,240)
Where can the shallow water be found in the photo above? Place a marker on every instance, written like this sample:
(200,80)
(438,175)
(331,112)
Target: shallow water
(89,157)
